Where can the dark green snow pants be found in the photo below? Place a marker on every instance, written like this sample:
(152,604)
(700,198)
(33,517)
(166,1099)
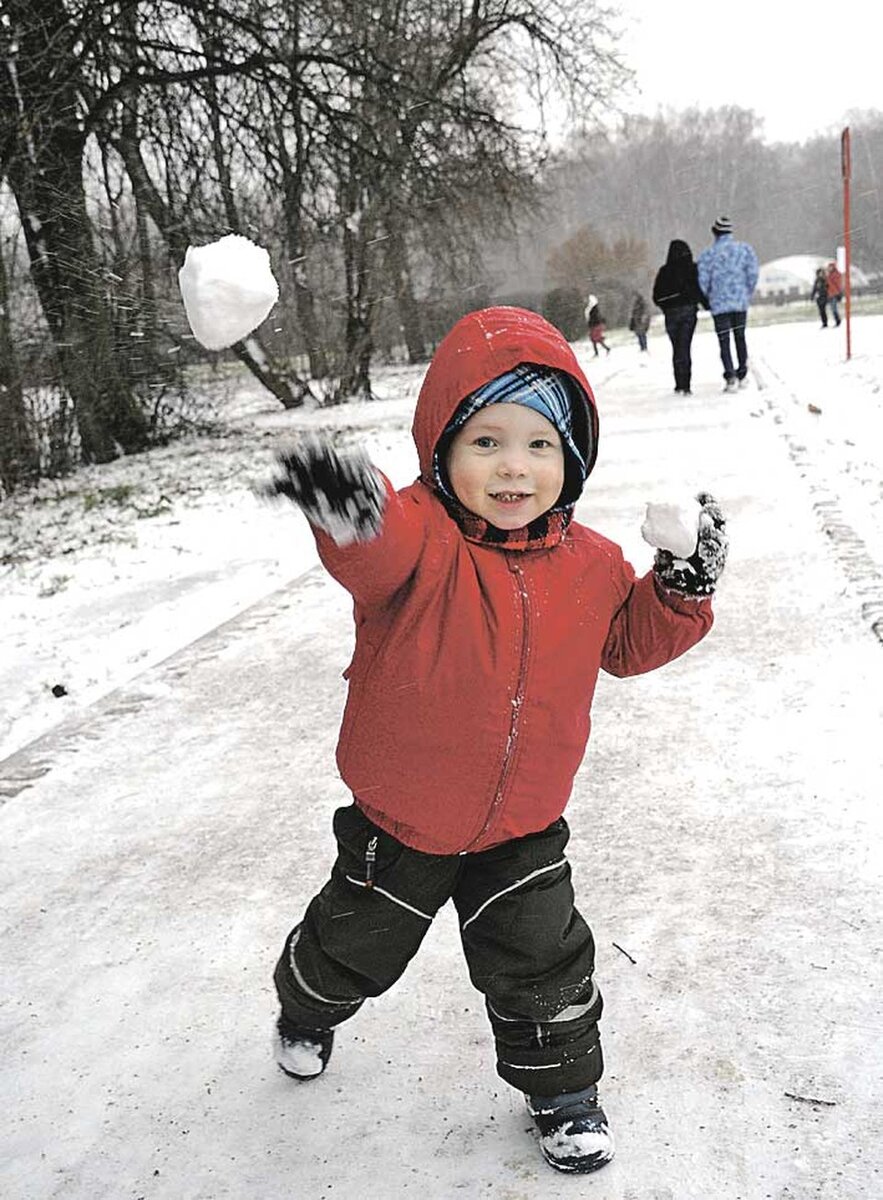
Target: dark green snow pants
(528,949)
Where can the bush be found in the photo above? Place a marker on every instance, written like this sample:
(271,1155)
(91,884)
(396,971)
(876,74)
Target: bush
(564,307)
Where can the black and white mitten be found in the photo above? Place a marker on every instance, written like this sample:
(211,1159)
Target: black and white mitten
(340,492)
(697,574)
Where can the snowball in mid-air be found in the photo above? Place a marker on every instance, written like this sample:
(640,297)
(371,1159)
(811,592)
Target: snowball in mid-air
(673,527)
(228,288)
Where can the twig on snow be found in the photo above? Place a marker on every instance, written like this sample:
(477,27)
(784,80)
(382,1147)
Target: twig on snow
(625,952)
(811,1100)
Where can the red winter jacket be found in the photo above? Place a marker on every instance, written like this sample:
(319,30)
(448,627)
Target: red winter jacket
(474,667)
(835,281)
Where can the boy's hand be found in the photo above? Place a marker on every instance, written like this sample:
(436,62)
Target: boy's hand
(339,492)
(697,574)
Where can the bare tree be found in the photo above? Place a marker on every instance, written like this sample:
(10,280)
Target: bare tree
(44,142)
(387,138)
(19,454)
(424,139)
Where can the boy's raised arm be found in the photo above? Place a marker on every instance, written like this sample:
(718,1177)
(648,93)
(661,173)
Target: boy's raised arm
(362,530)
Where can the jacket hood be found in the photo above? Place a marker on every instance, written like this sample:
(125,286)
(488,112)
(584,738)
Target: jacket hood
(481,346)
(678,249)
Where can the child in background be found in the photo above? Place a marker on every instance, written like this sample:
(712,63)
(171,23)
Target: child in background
(639,320)
(596,325)
(483,614)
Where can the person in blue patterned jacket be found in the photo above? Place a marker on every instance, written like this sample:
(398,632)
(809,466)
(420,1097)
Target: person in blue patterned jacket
(728,276)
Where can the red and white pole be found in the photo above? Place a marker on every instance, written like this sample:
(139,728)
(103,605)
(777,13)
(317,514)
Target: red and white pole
(846,171)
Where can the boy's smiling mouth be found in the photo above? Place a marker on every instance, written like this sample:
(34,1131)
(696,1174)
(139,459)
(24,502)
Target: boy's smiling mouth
(509,497)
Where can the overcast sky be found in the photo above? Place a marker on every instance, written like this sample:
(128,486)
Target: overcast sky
(798,65)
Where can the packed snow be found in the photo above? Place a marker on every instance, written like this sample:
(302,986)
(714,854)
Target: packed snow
(228,288)
(672,526)
(170,821)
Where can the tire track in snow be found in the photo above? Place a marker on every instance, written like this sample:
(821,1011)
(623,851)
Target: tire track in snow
(848,546)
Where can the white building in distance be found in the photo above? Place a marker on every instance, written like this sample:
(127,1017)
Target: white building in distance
(791,278)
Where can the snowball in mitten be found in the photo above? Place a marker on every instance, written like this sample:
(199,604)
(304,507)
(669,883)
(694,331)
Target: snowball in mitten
(696,573)
(673,527)
(340,493)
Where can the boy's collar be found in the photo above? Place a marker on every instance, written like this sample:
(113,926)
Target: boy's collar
(542,534)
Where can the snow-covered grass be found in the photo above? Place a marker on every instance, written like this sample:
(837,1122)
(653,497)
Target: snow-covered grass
(113,568)
(804,310)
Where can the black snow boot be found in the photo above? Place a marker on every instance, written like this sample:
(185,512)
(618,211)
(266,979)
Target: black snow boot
(574,1134)
(300,1052)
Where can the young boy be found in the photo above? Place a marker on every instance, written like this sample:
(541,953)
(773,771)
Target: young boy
(483,614)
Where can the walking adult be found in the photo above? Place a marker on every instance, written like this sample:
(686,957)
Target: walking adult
(819,293)
(835,291)
(676,291)
(728,276)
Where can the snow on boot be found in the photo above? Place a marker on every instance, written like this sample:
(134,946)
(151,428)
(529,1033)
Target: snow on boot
(300,1052)
(574,1134)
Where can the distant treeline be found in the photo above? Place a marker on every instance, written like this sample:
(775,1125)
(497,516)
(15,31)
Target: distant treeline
(613,202)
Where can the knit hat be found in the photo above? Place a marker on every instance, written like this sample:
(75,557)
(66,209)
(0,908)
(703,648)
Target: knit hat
(553,394)
(722,225)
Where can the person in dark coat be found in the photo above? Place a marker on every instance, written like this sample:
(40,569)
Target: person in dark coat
(819,293)
(639,321)
(676,291)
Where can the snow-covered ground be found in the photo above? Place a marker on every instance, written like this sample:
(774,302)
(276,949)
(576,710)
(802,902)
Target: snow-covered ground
(726,823)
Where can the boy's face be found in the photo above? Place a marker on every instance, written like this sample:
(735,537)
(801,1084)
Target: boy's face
(507,465)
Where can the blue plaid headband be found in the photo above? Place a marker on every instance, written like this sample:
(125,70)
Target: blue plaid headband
(549,392)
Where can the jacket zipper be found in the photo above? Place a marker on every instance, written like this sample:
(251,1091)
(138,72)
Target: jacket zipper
(370,859)
(517,702)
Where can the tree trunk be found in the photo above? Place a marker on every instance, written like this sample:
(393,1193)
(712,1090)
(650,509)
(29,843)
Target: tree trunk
(293,175)
(19,456)
(399,272)
(355,379)
(213,51)
(355,374)
(292,198)
(45,173)
(150,363)
(59,240)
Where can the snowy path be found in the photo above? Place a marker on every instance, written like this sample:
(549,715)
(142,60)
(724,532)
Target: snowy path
(726,835)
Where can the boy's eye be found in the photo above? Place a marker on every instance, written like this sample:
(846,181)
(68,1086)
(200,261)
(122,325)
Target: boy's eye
(540,444)
(484,442)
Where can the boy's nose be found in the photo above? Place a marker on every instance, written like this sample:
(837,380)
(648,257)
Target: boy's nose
(512,465)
